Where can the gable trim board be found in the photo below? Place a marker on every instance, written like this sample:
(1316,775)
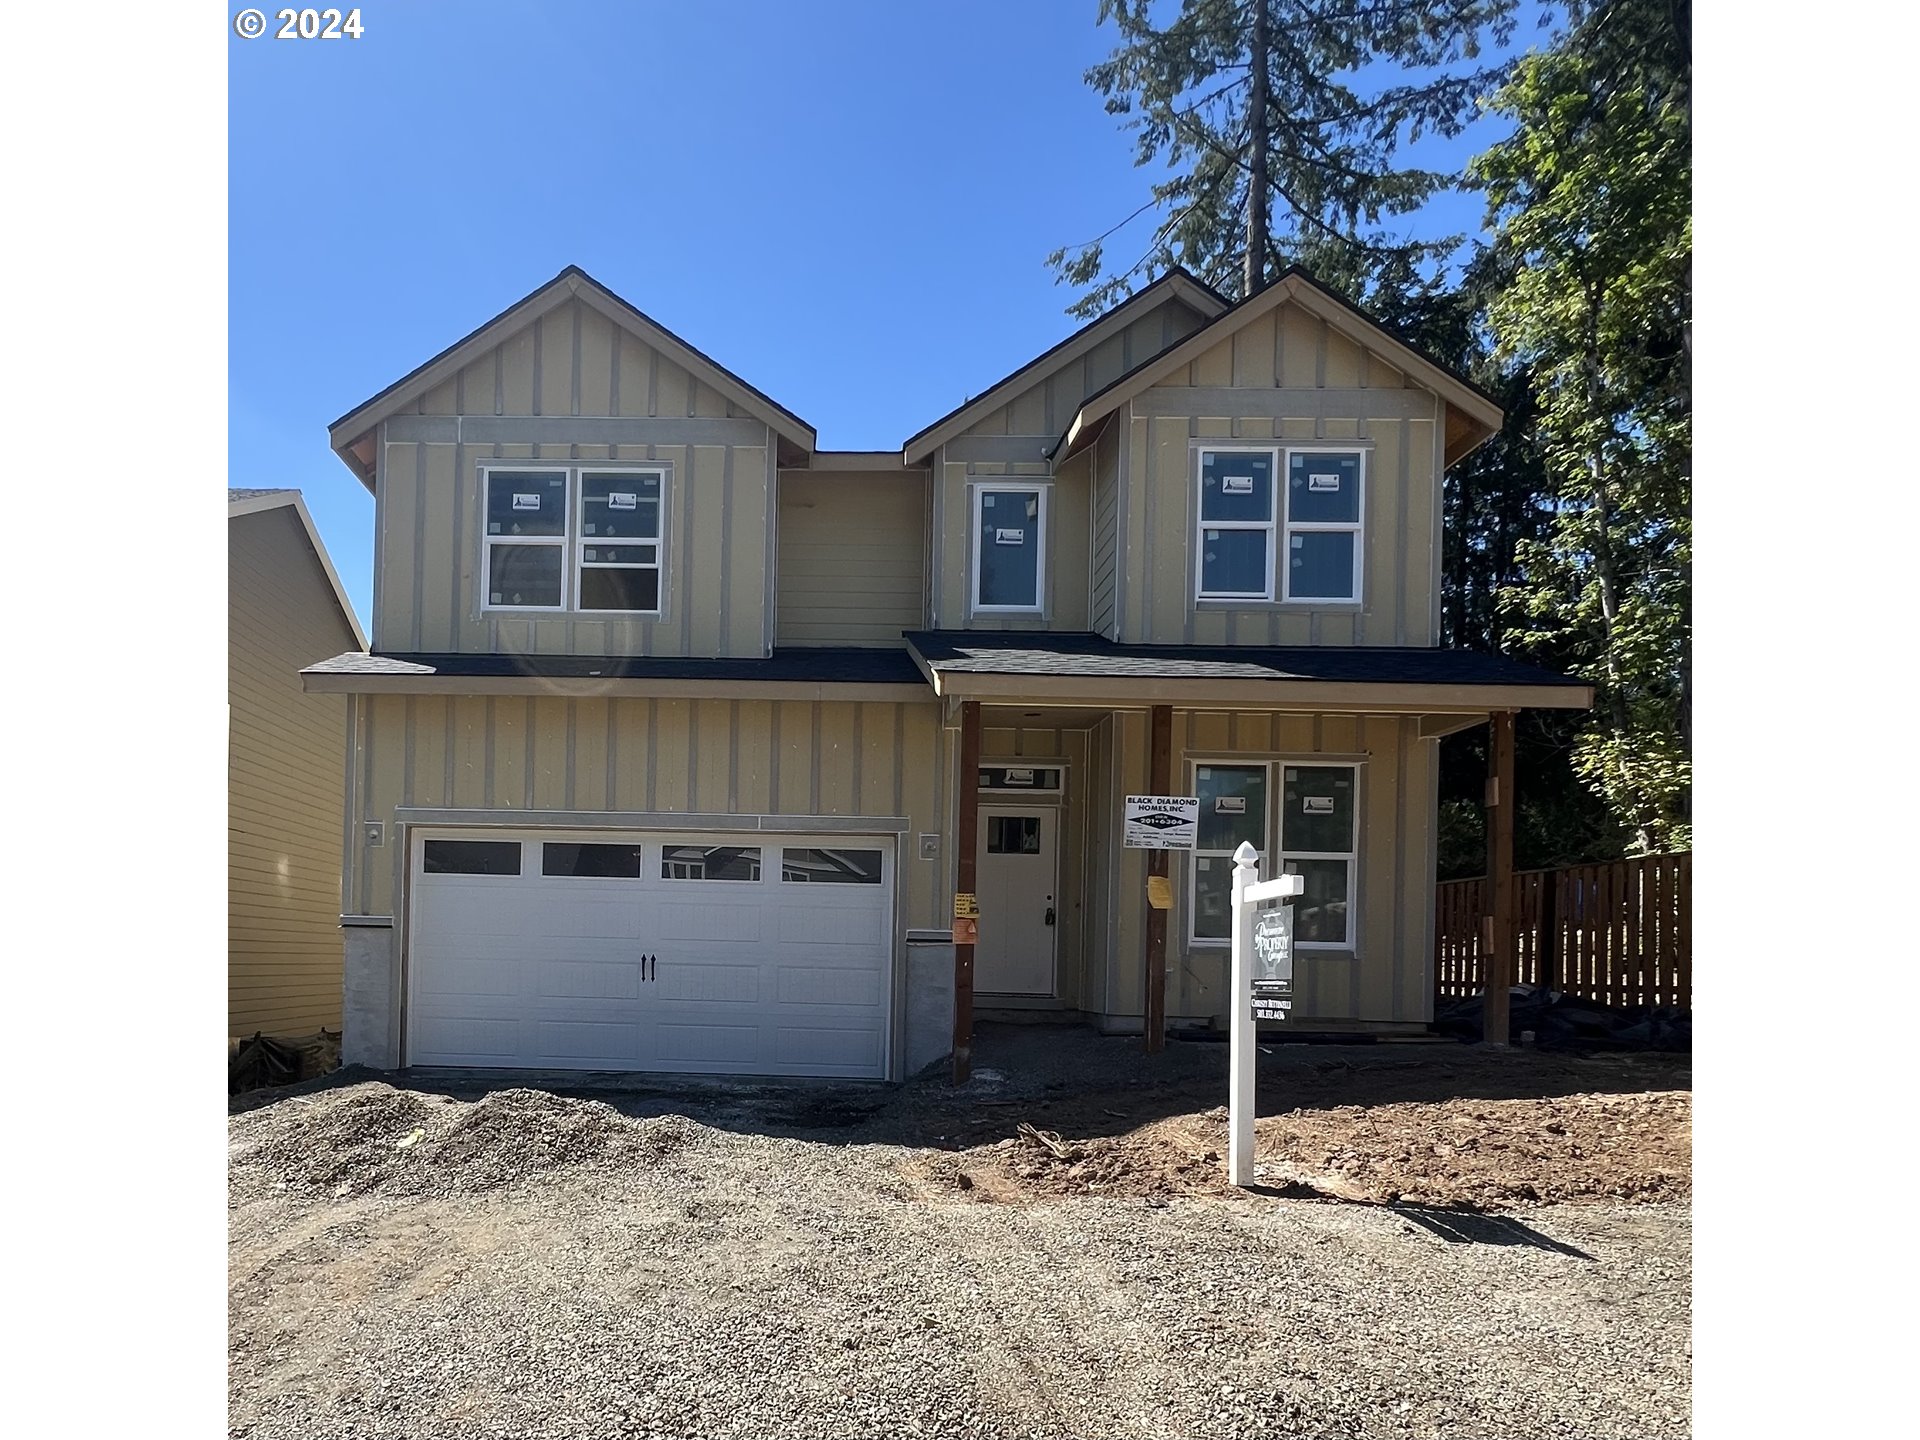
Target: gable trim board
(1175,284)
(348,434)
(1294,286)
(252,502)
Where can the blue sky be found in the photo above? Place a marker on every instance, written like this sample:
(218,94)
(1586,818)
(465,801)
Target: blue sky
(848,204)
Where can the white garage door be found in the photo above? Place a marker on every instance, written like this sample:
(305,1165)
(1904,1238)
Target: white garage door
(725,954)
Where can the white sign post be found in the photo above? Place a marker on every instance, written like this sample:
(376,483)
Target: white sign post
(1249,892)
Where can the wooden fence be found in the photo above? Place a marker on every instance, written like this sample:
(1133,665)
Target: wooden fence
(1620,932)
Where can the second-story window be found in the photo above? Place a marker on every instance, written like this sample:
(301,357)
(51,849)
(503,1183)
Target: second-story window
(1009,539)
(1298,542)
(578,537)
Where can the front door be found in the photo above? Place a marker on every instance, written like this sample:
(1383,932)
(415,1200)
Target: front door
(1017,887)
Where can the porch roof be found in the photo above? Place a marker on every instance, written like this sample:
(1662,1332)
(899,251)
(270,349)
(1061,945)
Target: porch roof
(968,664)
(792,672)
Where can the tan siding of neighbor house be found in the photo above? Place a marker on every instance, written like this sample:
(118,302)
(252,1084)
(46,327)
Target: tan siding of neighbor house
(852,557)
(284,798)
(1387,977)
(1286,376)
(573,362)
(583,756)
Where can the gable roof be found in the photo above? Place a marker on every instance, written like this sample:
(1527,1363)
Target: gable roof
(571,283)
(1480,415)
(1174,284)
(251,502)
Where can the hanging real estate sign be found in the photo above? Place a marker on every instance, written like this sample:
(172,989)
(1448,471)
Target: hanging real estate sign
(1161,822)
(1273,963)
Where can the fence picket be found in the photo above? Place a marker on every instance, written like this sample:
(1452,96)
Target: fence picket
(1618,932)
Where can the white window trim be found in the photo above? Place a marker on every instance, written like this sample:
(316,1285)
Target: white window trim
(983,488)
(1351,940)
(488,540)
(572,541)
(1277,471)
(582,539)
(1275,828)
(1357,527)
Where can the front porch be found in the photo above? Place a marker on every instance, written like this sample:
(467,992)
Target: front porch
(1333,776)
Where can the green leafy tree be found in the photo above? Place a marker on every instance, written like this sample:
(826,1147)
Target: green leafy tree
(1283,123)
(1592,199)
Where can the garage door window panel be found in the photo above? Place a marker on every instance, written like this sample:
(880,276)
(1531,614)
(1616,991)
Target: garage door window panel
(734,863)
(830,867)
(591,861)
(471,857)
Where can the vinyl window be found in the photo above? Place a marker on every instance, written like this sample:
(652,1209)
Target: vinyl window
(1298,541)
(1313,827)
(1009,548)
(1318,842)
(587,539)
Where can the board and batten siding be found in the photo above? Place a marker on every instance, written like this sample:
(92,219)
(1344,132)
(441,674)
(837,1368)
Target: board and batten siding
(1010,443)
(557,390)
(583,756)
(284,796)
(1387,977)
(1285,376)
(852,557)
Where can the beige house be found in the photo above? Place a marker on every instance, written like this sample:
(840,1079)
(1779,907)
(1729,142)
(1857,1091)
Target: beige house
(285,806)
(682,738)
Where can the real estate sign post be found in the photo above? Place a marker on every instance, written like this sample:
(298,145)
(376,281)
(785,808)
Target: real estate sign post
(1274,957)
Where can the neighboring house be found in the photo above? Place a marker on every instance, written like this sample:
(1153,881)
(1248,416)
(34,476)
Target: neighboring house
(657,760)
(285,798)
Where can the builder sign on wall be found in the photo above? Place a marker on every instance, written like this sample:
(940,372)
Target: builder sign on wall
(1161,822)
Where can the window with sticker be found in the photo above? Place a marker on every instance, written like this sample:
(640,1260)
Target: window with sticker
(1279,523)
(1009,547)
(578,538)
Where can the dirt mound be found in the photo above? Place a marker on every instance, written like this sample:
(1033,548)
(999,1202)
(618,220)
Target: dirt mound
(1471,1154)
(373,1137)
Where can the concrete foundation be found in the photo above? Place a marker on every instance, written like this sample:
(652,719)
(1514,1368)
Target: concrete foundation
(929,1037)
(370,1009)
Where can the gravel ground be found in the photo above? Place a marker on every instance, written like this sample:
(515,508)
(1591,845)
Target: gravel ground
(768,1260)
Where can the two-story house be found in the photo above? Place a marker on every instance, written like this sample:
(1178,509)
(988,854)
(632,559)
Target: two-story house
(677,731)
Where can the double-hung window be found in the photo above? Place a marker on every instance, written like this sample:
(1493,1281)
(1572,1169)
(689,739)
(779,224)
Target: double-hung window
(1317,843)
(1310,827)
(1263,540)
(577,538)
(1009,548)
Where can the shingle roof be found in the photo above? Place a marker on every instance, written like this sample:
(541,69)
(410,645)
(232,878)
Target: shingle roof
(1095,656)
(235,492)
(798,664)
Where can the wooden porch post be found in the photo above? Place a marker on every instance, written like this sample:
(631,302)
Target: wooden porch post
(967,838)
(1159,778)
(1501,926)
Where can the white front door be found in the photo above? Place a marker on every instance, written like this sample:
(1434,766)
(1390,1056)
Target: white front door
(1018,909)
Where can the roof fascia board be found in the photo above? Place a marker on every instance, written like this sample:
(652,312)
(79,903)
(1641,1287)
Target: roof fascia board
(1372,697)
(253,505)
(595,686)
(1178,285)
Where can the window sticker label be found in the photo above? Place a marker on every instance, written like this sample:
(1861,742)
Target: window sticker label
(1236,484)
(1323,482)
(496,598)
(1230,805)
(1009,537)
(523,501)
(1019,777)
(623,500)
(1317,805)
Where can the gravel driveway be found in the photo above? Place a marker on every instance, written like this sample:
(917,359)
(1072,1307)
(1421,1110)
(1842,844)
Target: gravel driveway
(412,1264)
